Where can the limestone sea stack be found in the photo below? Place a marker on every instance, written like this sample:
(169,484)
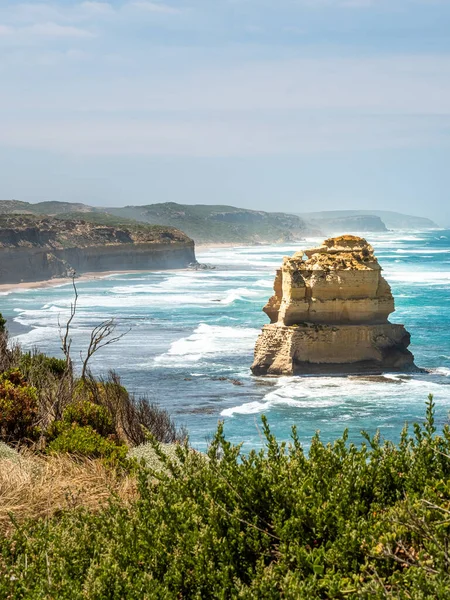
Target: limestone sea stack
(329,314)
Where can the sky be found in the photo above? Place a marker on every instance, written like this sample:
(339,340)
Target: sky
(287,105)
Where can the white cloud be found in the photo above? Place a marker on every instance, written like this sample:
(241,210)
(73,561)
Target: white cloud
(190,101)
(98,8)
(54,30)
(389,85)
(319,4)
(273,107)
(154,7)
(59,20)
(358,3)
(225,135)
(32,13)
(5,30)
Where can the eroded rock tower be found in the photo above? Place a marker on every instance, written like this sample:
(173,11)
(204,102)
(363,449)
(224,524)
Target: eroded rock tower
(329,314)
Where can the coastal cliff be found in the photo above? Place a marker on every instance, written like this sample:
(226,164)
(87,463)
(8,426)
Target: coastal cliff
(34,249)
(204,223)
(224,224)
(358,223)
(389,220)
(329,314)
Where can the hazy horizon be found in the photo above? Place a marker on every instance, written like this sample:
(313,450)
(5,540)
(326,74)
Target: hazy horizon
(324,212)
(294,105)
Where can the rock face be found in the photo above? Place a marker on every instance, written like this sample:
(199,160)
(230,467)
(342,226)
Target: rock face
(33,249)
(329,314)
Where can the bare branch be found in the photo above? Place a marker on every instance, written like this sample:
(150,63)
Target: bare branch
(66,340)
(101,336)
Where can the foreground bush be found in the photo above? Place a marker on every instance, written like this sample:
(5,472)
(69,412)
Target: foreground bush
(85,441)
(18,408)
(341,522)
(133,417)
(41,395)
(88,414)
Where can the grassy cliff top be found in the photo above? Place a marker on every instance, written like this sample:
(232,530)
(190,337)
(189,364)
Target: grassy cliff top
(41,208)
(220,223)
(204,223)
(21,230)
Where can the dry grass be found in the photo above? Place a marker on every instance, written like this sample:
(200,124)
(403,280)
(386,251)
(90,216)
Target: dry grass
(40,487)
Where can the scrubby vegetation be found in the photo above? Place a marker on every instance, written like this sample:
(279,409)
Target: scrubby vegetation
(44,405)
(341,521)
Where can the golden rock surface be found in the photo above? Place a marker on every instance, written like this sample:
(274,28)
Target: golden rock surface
(329,313)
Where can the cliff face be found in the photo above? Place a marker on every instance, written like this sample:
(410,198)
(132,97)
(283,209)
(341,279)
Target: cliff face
(217,223)
(330,314)
(34,249)
(392,220)
(359,223)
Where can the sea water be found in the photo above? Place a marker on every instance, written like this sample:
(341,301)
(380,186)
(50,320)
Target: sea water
(191,334)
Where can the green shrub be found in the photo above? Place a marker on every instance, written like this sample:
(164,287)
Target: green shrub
(39,363)
(18,408)
(343,521)
(2,324)
(132,417)
(85,413)
(84,441)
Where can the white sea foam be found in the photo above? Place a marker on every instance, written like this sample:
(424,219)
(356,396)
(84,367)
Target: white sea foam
(425,250)
(316,393)
(419,277)
(249,408)
(37,336)
(233,258)
(264,283)
(256,407)
(209,341)
(129,299)
(442,371)
(407,238)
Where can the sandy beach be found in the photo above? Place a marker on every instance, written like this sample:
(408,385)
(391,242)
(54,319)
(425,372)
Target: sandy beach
(30,285)
(219,245)
(6,288)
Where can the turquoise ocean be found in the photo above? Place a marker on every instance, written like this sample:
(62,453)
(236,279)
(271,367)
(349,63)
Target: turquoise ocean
(193,332)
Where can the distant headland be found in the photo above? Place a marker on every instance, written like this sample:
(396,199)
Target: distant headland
(222,224)
(41,248)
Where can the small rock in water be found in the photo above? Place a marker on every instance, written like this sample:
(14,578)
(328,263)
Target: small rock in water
(200,266)
(233,381)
